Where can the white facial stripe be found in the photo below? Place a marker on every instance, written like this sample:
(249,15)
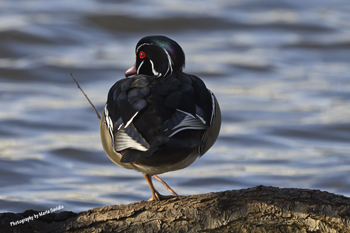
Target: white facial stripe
(154,71)
(137,49)
(170,63)
(138,69)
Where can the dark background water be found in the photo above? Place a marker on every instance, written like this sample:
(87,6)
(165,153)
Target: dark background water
(280,70)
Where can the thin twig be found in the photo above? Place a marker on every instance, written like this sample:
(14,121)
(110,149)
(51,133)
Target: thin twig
(98,115)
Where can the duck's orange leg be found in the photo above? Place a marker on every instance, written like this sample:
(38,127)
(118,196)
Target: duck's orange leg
(156,196)
(166,185)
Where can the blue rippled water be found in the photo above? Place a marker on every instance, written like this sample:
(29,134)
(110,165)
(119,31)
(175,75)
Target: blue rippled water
(280,70)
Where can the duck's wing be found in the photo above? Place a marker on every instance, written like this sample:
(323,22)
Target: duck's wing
(191,101)
(125,100)
(145,113)
(196,109)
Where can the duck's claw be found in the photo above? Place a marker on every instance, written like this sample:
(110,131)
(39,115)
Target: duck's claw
(158,197)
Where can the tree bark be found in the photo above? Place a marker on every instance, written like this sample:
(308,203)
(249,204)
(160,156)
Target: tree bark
(260,209)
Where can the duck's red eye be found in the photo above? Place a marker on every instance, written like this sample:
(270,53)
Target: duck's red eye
(142,55)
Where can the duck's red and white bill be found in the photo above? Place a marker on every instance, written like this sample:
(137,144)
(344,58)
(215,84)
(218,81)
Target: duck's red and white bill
(131,71)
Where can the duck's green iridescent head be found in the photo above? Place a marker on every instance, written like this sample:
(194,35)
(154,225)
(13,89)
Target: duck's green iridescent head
(157,56)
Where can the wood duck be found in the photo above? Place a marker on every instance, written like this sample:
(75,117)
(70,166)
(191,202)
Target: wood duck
(159,119)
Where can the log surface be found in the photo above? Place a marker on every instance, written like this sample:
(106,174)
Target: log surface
(260,209)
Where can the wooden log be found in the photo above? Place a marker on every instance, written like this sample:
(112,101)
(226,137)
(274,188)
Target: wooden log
(259,210)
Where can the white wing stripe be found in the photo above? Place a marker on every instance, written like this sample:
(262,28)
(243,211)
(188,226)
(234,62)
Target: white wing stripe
(201,118)
(188,114)
(124,141)
(109,122)
(132,118)
(213,107)
(188,123)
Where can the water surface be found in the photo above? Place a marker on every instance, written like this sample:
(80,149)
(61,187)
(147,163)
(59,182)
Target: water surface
(280,70)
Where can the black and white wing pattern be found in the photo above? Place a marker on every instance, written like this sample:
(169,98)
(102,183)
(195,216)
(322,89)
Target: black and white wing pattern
(144,113)
(190,99)
(125,101)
